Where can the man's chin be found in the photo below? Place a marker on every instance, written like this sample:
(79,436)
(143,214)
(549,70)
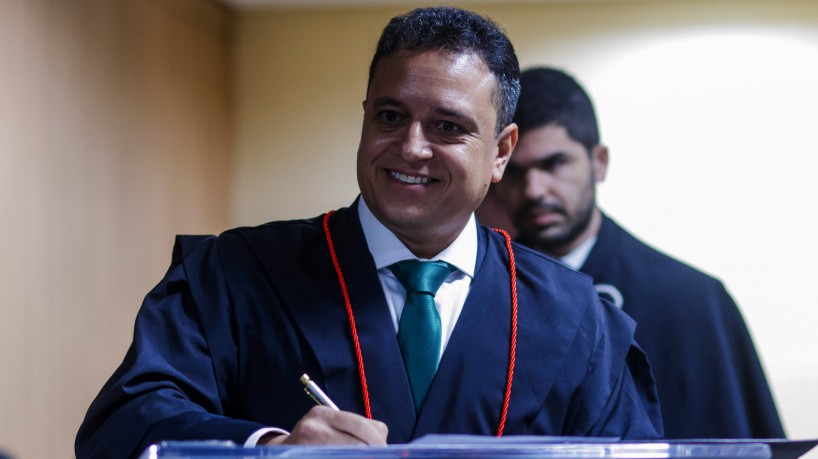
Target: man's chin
(546,232)
(545,239)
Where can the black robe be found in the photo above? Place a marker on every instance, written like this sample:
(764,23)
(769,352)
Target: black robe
(710,381)
(221,342)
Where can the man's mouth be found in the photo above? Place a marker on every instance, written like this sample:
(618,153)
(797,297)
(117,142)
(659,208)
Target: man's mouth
(541,214)
(410,179)
(539,207)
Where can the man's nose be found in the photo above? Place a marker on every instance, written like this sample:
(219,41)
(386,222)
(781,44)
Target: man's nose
(537,183)
(415,146)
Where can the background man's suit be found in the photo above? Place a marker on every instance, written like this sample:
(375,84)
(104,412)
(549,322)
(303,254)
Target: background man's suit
(708,376)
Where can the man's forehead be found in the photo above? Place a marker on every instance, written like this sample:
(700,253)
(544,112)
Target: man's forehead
(547,134)
(544,142)
(463,76)
(468,61)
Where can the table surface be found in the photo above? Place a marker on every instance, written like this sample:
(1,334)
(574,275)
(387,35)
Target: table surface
(476,448)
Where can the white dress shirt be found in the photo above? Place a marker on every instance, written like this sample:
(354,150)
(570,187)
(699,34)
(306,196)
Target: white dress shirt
(387,249)
(576,258)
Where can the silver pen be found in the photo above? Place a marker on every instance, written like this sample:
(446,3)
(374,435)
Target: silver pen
(316,393)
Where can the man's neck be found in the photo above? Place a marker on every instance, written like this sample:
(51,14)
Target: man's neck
(386,244)
(427,245)
(423,241)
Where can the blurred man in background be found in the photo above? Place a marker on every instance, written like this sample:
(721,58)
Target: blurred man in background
(710,381)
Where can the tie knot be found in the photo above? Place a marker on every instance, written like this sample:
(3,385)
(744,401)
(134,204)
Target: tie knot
(421,276)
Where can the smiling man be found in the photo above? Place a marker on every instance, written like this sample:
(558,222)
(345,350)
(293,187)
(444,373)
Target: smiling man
(430,145)
(413,318)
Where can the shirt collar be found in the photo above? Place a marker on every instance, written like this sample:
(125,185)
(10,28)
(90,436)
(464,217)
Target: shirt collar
(576,258)
(387,249)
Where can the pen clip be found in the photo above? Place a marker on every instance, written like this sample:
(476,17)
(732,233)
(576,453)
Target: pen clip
(314,399)
(316,393)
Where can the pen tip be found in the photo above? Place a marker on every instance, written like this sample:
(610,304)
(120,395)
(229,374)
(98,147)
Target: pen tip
(305,379)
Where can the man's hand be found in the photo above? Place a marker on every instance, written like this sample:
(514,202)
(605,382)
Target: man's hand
(325,426)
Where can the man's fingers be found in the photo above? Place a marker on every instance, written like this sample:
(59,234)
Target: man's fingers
(367,431)
(322,425)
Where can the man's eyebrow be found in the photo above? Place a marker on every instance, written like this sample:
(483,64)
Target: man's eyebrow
(541,162)
(448,112)
(469,120)
(387,101)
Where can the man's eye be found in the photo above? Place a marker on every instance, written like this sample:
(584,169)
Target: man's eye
(388,116)
(552,163)
(448,126)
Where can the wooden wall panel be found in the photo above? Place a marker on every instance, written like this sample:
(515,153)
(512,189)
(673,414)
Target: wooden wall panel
(114,136)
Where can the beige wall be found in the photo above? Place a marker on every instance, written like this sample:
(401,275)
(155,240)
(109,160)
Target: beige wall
(708,106)
(114,136)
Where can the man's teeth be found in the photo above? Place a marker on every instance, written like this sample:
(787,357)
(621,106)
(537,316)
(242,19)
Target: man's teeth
(409,178)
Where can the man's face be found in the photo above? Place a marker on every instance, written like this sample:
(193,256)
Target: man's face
(549,189)
(428,150)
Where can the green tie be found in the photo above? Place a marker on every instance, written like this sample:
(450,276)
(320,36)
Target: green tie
(419,330)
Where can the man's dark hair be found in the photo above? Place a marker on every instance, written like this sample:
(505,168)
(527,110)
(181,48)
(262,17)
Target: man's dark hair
(456,31)
(551,96)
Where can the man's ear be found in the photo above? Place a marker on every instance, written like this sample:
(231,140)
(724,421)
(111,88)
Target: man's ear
(599,161)
(506,142)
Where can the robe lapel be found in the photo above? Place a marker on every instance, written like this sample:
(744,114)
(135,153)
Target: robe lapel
(467,392)
(602,262)
(389,391)
(600,255)
(314,299)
